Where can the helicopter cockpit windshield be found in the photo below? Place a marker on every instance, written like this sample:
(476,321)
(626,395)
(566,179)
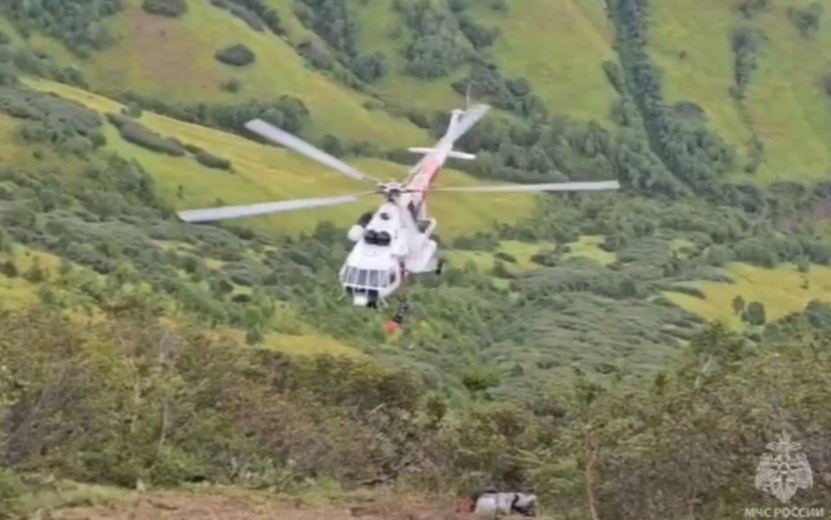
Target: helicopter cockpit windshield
(368,278)
(368,286)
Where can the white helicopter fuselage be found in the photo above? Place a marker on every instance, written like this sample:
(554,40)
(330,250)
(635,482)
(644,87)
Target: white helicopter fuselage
(396,241)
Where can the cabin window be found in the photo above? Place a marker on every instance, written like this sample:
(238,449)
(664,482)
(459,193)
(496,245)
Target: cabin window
(373,279)
(351,275)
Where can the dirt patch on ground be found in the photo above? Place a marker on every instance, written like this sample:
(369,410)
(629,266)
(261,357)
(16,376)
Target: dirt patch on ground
(221,505)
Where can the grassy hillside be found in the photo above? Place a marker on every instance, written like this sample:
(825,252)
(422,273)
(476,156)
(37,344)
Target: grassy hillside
(263,173)
(538,42)
(377,76)
(563,323)
(786,105)
(173,60)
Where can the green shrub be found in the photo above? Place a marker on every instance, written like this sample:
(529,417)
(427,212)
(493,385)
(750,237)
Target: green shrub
(237,55)
(501,255)
(138,134)
(80,25)
(169,8)
(232,85)
(695,292)
(249,17)
(132,110)
(11,488)
(212,161)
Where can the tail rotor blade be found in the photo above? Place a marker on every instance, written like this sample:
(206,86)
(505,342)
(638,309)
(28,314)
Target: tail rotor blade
(553,186)
(250,210)
(281,137)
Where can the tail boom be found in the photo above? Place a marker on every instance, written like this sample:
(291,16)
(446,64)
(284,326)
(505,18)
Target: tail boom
(454,154)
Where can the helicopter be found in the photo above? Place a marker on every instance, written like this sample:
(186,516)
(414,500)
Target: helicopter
(398,239)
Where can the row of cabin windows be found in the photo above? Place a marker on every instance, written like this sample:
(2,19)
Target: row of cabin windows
(369,277)
(377,238)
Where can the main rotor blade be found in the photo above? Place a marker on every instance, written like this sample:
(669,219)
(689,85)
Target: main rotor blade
(552,186)
(250,210)
(276,135)
(468,119)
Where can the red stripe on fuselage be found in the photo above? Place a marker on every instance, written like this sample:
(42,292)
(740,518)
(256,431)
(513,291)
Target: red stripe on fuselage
(424,179)
(431,170)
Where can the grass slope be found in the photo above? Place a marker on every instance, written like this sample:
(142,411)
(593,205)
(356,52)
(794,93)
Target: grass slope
(522,252)
(268,173)
(21,291)
(559,47)
(173,59)
(67,500)
(789,112)
(782,291)
(381,31)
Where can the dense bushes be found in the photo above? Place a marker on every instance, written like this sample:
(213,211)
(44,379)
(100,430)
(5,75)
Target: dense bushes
(15,60)
(750,8)
(442,38)
(509,94)
(177,406)
(745,43)
(169,8)
(237,55)
(95,225)
(64,125)
(300,405)
(242,13)
(77,24)
(438,46)
(257,15)
(288,112)
(212,161)
(336,24)
(479,36)
(807,19)
(136,133)
(333,21)
(687,149)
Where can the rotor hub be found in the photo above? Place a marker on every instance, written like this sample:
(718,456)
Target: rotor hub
(391,189)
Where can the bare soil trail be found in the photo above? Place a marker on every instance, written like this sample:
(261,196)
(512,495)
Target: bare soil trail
(238,505)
